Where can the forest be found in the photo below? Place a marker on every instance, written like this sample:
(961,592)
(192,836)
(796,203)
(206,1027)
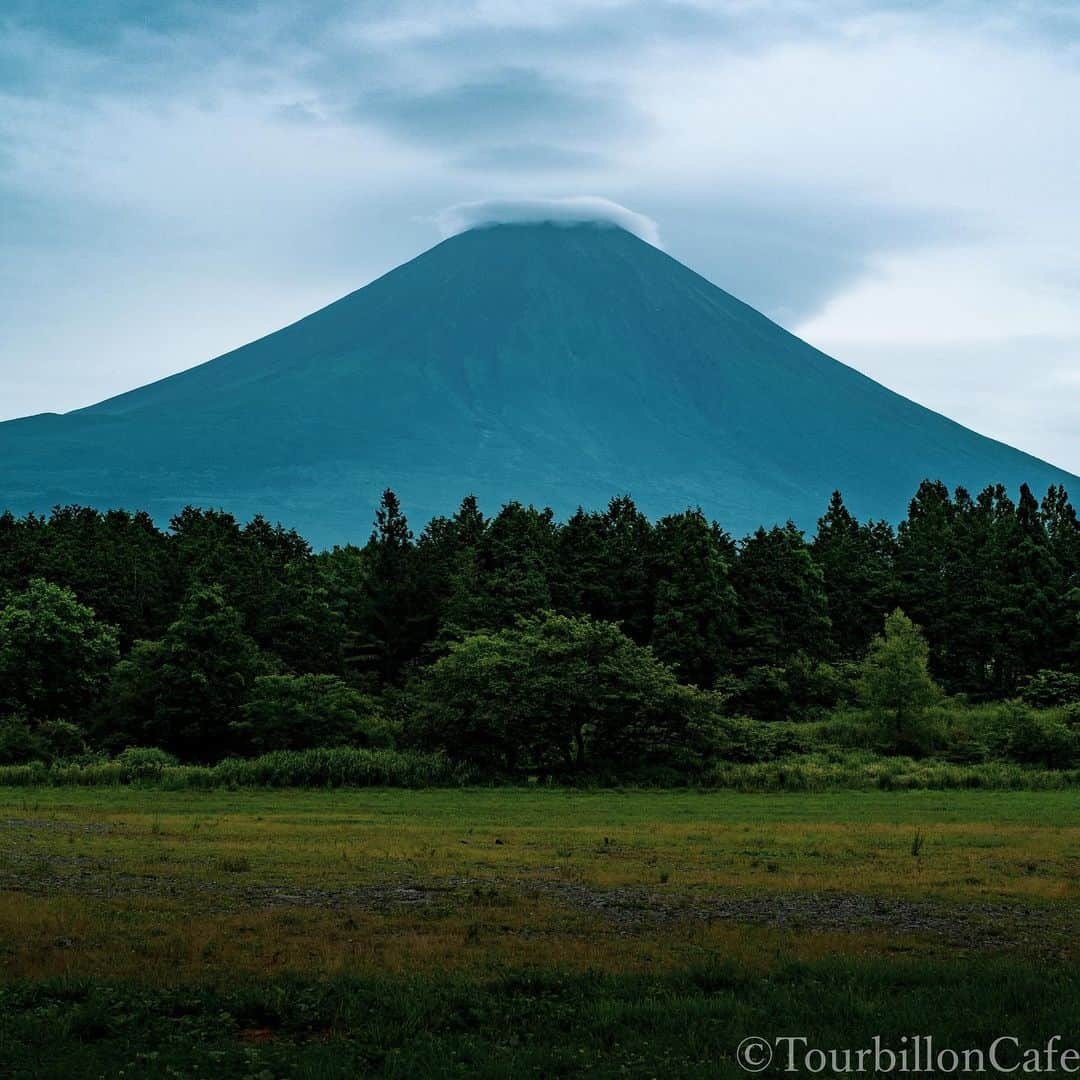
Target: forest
(515,645)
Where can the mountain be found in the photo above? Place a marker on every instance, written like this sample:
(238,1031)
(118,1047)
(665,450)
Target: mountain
(554,364)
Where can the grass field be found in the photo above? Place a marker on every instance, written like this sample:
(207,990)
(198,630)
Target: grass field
(511,932)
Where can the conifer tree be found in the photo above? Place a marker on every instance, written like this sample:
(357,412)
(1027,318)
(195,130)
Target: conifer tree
(782,604)
(856,574)
(695,603)
(925,549)
(393,628)
(509,575)
(896,682)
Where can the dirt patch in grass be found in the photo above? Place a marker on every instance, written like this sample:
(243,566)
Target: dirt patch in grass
(630,909)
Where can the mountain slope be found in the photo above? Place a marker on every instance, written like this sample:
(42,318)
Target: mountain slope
(558,365)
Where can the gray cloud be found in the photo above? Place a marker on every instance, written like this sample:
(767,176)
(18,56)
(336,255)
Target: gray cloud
(531,158)
(786,251)
(507,103)
(179,175)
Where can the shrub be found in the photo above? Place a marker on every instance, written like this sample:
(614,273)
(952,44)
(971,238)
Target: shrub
(298,712)
(1038,738)
(741,739)
(23,741)
(848,728)
(1047,688)
(863,771)
(19,741)
(802,689)
(144,762)
(343,766)
(339,767)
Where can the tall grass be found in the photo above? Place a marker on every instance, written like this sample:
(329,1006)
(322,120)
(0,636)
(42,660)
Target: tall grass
(343,766)
(866,771)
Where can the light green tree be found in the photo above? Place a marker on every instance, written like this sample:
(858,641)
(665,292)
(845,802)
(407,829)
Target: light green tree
(556,693)
(895,681)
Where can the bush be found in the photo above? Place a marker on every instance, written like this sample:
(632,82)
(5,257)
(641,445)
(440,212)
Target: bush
(339,767)
(23,741)
(864,771)
(1038,738)
(848,728)
(801,690)
(896,686)
(348,767)
(19,741)
(1047,688)
(299,712)
(145,762)
(741,739)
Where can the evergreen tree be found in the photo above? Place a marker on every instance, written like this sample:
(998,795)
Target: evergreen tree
(925,549)
(695,607)
(856,568)
(393,615)
(446,553)
(116,563)
(782,604)
(896,682)
(1031,577)
(582,583)
(1063,536)
(510,573)
(628,568)
(970,616)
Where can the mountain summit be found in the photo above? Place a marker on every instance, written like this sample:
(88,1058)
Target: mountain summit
(557,364)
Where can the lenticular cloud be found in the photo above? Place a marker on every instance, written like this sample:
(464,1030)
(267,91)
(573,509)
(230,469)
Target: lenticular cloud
(576,210)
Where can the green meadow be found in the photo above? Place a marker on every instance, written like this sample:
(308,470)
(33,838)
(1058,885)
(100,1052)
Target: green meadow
(522,931)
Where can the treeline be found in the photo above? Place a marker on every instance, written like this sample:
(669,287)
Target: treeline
(514,641)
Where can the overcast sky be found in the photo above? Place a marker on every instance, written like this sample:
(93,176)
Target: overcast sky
(895,182)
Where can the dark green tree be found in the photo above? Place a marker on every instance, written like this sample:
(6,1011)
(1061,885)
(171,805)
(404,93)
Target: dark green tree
(296,712)
(628,546)
(782,604)
(557,694)
(1063,536)
(924,559)
(856,565)
(509,573)
(55,655)
(695,606)
(116,563)
(392,626)
(582,582)
(184,692)
(446,557)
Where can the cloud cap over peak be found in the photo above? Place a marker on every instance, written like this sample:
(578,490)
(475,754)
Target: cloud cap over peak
(573,210)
